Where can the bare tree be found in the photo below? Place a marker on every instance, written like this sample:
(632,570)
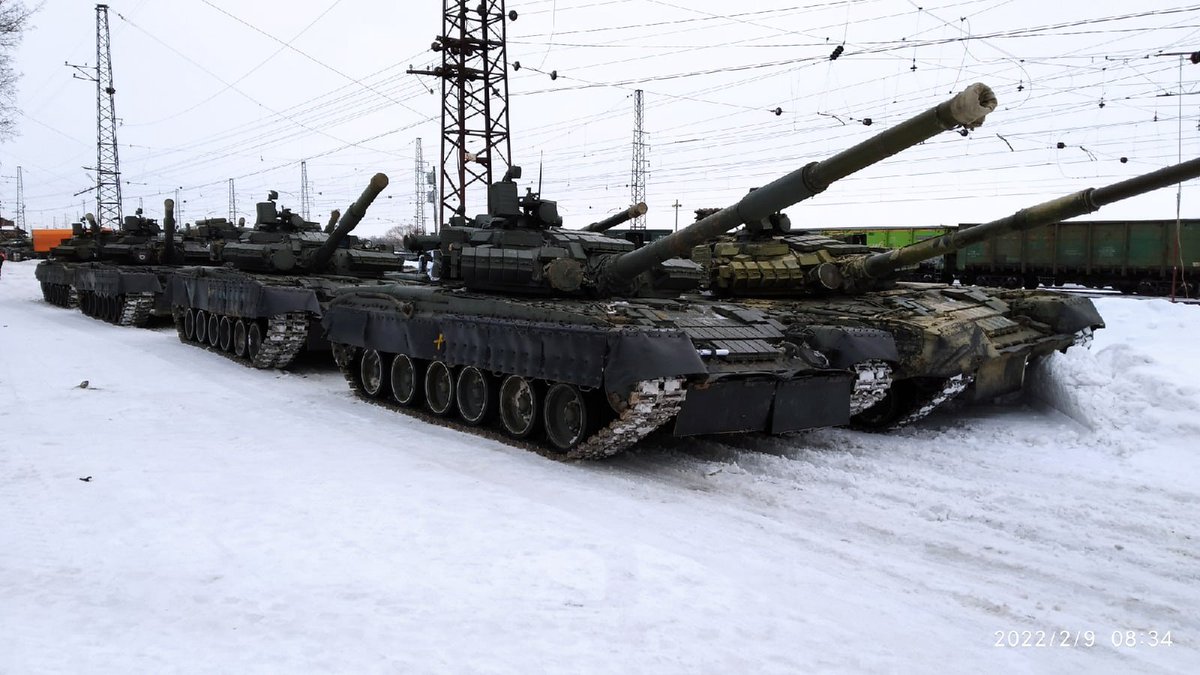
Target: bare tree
(395,235)
(14,19)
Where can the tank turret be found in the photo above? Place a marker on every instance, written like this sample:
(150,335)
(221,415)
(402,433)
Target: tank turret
(768,259)
(284,242)
(968,109)
(520,246)
(612,221)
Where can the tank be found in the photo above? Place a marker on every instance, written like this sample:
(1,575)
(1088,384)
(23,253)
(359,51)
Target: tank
(121,277)
(560,340)
(262,304)
(16,244)
(950,339)
(56,273)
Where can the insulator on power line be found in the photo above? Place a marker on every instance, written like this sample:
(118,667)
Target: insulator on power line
(837,51)
(554,75)
(516,65)
(512,15)
(1060,145)
(778,111)
(1195,57)
(867,121)
(1124,160)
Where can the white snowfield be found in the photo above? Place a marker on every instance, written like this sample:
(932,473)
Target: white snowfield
(250,521)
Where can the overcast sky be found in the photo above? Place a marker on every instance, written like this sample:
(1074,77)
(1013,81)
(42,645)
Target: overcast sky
(208,91)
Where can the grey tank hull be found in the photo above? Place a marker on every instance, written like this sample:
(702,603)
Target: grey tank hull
(263,320)
(690,367)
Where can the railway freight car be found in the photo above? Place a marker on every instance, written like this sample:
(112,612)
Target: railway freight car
(1133,256)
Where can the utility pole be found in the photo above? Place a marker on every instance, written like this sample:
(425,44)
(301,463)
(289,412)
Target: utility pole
(305,201)
(474,74)
(419,189)
(676,206)
(108,166)
(19,218)
(232,203)
(637,179)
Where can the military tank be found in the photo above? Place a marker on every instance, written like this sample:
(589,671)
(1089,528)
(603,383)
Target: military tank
(16,244)
(526,326)
(950,339)
(56,273)
(124,281)
(261,305)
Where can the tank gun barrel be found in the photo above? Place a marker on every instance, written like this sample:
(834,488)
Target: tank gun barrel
(333,219)
(966,109)
(349,220)
(617,218)
(1046,213)
(168,230)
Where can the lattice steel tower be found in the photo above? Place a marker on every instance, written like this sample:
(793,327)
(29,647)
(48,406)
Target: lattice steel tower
(474,74)
(305,198)
(232,203)
(637,178)
(419,190)
(108,165)
(19,218)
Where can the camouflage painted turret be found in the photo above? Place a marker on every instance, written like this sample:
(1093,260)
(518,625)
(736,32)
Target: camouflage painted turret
(948,337)
(263,305)
(568,332)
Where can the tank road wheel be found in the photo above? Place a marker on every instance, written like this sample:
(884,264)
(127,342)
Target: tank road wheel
(475,395)
(566,416)
(372,374)
(254,338)
(406,380)
(239,338)
(201,326)
(214,329)
(189,324)
(225,334)
(519,406)
(439,388)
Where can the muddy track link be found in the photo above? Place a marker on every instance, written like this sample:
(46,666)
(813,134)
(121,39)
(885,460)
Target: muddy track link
(951,388)
(136,309)
(871,383)
(652,404)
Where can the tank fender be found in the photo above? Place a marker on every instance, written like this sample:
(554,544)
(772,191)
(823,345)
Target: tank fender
(845,346)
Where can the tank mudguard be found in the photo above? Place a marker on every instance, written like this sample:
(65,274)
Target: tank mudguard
(772,406)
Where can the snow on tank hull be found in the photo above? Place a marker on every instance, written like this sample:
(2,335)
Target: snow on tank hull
(262,320)
(588,378)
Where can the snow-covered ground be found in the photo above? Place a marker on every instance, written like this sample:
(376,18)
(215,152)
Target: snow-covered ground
(248,521)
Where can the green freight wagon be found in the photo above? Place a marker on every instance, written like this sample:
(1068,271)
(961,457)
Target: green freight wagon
(1132,256)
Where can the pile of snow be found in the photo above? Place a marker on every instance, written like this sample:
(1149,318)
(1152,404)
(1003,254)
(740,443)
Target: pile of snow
(241,520)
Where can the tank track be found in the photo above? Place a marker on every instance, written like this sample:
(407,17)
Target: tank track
(871,383)
(1084,338)
(950,388)
(60,295)
(284,339)
(136,310)
(652,404)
